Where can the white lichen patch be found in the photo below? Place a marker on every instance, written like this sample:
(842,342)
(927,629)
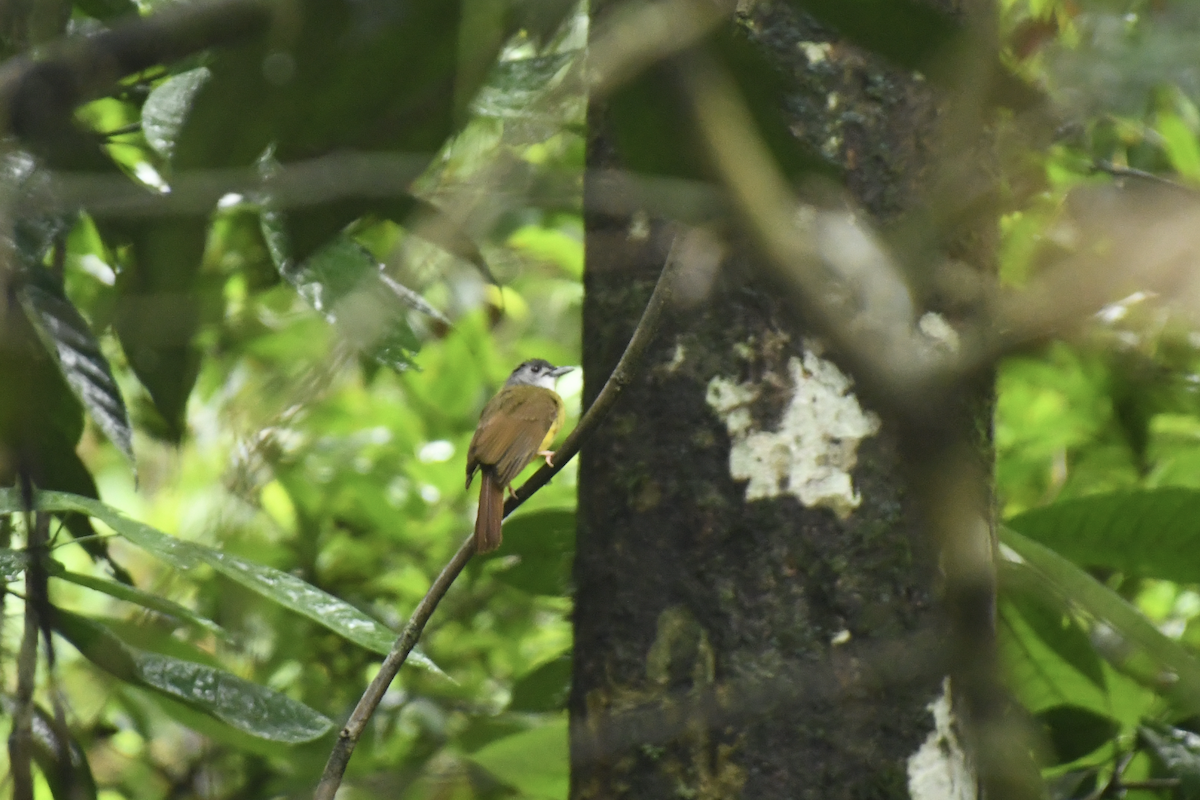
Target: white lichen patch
(811,453)
(940,769)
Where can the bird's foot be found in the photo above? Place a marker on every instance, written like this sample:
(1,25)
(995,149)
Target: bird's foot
(547,454)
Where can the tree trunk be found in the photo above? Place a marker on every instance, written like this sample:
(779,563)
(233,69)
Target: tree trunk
(756,610)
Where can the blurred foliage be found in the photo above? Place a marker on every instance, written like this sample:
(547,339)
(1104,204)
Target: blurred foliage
(297,382)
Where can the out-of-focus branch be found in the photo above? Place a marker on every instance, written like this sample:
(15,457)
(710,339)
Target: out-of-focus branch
(21,741)
(39,95)
(626,368)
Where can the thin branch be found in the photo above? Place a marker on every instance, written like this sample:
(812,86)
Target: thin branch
(1109,168)
(20,745)
(621,376)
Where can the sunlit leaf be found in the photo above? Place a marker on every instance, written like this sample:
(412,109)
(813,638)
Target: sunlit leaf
(1173,671)
(1180,144)
(69,339)
(246,706)
(1152,533)
(535,762)
(165,110)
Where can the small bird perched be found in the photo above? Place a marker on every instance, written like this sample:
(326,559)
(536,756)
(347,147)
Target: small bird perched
(520,422)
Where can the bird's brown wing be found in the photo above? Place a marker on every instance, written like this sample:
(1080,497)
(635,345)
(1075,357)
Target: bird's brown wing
(508,437)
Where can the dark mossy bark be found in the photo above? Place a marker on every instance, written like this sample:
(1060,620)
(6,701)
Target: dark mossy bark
(732,648)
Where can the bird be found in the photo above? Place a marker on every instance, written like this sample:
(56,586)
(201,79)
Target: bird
(516,425)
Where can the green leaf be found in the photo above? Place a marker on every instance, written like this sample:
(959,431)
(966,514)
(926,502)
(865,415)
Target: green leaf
(1179,752)
(1074,731)
(1040,677)
(343,283)
(1152,533)
(283,588)
(544,542)
(544,689)
(1044,614)
(1180,144)
(245,706)
(162,299)
(1173,671)
(132,594)
(12,564)
(167,106)
(534,762)
(69,339)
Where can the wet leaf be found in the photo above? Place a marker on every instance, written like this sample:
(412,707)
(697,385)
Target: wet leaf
(132,594)
(243,705)
(166,109)
(69,339)
(12,564)
(283,588)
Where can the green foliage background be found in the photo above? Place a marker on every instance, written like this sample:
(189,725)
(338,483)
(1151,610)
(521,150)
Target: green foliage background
(321,440)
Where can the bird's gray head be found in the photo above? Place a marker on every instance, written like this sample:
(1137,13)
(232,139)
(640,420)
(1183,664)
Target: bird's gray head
(536,372)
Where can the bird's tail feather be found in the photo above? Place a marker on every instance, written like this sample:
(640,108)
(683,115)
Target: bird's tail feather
(491,511)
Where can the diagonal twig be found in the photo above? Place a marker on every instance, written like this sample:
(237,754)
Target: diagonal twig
(621,376)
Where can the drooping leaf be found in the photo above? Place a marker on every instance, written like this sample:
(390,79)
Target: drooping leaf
(246,706)
(1023,588)
(342,281)
(1151,533)
(1039,676)
(1172,670)
(1074,731)
(544,541)
(1178,751)
(132,594)
(162,299)
(534,762)
(69,339)
(280,587)
(167,106)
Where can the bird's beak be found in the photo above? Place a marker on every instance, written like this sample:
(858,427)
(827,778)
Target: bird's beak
(558,372)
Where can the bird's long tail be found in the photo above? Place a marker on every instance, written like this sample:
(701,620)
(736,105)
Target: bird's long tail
(491,510)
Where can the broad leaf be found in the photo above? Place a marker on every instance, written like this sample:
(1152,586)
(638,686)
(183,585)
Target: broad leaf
(1074,732)
(534,762)
(69,340)
(166,109)
(243,705)
(343,283)
(544,689)
(281,587)
(1172,670)
(1153,533)
(544,541)
(132,594)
